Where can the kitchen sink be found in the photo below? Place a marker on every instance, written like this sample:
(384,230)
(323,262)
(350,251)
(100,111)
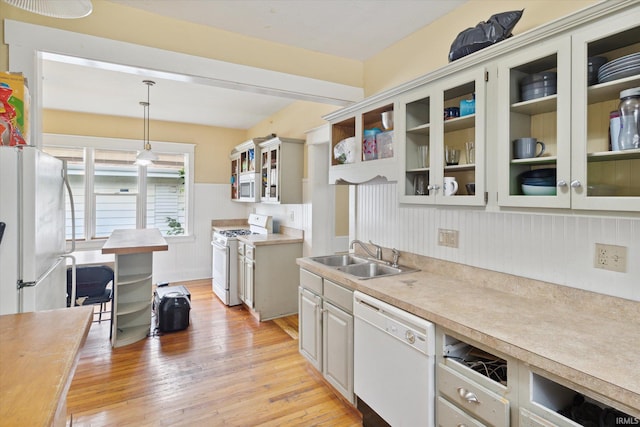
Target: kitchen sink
(339,260)
(361,268)
(370,270)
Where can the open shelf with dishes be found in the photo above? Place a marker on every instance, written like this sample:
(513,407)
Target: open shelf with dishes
(363,145)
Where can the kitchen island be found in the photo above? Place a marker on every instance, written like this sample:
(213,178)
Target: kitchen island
(586,341)
(39,353)
(132,285)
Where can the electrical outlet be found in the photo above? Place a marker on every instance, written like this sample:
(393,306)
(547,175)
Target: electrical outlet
(447,237)
(610,257)
(292,215)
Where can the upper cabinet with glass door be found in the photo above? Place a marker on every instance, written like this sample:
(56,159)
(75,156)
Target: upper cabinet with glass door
(281,170)
(534,100)
(443,144)
(362,144)
(606,174)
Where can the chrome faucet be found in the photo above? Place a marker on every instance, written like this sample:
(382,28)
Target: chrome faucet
(396,255)
(378,254)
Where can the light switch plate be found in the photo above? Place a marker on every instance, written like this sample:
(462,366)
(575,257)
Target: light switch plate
(610,257)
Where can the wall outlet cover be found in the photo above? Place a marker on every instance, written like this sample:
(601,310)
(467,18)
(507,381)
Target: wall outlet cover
(610,257)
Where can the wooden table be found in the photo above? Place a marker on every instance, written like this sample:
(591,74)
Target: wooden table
(132,284)
(38,356)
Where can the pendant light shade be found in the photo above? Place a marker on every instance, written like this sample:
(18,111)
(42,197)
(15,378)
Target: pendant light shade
(146,157)
(67,9)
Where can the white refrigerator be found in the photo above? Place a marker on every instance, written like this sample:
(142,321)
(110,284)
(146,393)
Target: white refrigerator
(32,246)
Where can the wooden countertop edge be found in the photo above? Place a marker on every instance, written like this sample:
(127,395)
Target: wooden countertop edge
(62,403)
(56,402)
(134,249)
(612,394)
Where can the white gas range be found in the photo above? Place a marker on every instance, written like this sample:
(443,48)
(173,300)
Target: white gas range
(225,261)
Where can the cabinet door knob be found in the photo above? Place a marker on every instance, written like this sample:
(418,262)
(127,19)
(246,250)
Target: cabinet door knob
(562,183)
(433,187)
(576,184)
(468,395)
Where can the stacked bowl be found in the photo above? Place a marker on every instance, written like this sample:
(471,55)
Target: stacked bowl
(538,85)
(538,182)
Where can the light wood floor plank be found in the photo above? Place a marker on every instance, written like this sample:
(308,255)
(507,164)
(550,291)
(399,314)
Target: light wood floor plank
(225,369)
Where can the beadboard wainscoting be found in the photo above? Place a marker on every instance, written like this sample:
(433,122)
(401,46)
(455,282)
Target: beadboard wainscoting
(556,248)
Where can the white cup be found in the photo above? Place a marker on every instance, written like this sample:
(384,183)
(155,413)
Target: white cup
(450,186)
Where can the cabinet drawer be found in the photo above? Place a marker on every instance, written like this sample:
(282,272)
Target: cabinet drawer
(311,281)
(340,296)
(472,397)
(529,419)
(450,416)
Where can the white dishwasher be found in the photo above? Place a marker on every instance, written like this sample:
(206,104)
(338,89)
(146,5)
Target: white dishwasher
(393,364)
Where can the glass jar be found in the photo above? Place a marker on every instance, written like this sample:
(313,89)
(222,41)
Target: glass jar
(629,137)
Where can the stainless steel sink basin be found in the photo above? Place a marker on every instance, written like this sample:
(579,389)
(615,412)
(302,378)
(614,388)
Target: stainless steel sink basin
(369,270)
(339,260)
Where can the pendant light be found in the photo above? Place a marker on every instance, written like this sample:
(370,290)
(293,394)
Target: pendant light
(146,157)
(67,9)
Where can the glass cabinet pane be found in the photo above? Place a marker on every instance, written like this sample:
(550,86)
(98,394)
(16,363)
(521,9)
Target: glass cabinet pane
(417,116)
(534,127)
(459,140)
(613,65)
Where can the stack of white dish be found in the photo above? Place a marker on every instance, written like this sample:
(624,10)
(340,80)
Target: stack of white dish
(620,68)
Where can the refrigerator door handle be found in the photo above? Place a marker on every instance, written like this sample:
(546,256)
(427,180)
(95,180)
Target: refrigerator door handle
(65,176)
(23,284)
(72,297)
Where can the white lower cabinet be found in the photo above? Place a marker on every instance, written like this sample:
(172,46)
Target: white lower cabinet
(337,348)
(310,327)
(325,323)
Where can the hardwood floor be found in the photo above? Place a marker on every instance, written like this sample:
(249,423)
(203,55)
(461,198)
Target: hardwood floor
(224,369)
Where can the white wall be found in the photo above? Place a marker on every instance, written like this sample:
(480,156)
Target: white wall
(189,260)
(553,248)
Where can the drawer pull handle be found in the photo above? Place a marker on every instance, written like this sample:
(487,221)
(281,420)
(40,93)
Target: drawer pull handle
(468,395)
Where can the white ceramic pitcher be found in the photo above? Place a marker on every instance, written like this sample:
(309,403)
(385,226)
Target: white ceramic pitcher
(450,186)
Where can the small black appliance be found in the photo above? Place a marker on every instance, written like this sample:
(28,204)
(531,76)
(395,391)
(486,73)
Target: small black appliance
(171,307)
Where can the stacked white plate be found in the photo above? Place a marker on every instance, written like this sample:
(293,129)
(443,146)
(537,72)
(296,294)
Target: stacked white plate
(620,68)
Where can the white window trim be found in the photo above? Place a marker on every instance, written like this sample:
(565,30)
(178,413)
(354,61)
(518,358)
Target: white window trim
(79,141)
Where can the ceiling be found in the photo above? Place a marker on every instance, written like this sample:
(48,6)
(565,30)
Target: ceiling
(356,29)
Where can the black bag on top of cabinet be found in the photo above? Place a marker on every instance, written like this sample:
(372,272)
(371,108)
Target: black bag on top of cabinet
(171,306)
(497,28)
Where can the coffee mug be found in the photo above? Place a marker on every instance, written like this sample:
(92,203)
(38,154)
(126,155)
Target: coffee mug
(525,148)
(450,186)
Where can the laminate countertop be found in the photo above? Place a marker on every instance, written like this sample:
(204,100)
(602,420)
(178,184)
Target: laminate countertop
(38,353)
(588,339)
